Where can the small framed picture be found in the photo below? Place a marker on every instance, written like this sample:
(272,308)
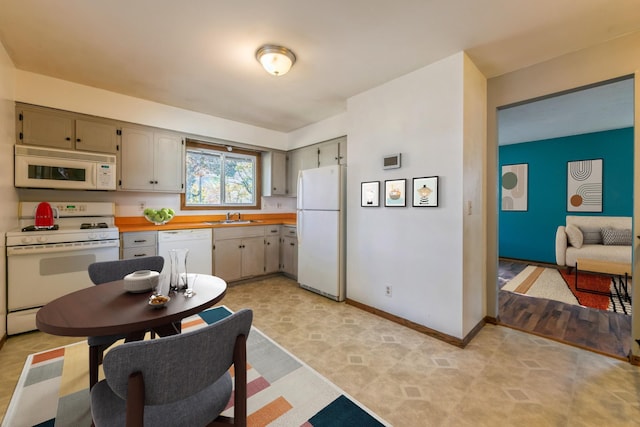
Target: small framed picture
(370,194)
(425,191)
(395,192)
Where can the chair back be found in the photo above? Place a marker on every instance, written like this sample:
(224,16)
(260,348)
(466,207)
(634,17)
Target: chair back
(109,271)
(178,366)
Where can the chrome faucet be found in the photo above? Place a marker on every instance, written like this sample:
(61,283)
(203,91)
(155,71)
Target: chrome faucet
(229,215)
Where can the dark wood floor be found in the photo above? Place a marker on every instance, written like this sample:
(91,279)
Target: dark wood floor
(598,330)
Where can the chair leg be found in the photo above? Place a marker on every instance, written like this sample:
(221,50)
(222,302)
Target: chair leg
(240,370)
(95,356)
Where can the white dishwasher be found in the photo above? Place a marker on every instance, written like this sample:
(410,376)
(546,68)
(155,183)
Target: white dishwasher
(198,241)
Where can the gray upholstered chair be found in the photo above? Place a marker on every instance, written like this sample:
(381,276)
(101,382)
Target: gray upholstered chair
(109,271)
(179,380)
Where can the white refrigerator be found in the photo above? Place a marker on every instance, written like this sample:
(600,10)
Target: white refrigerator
(321,231)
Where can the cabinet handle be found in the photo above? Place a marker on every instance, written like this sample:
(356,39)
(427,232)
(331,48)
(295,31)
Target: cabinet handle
(151,182)
(78,140)
(292,244)
(140,255)
(68,138)
(139,241)
(274,231)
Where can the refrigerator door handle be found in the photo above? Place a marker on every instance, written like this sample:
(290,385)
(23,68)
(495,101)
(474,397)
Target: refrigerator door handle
(298,225)
(299,189)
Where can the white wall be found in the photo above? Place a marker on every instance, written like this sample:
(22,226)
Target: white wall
(332,127)
(7,191)
(474,166)
(419,251)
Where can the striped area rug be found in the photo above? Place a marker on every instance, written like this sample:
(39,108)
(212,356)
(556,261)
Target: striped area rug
(282,390)
(550,283)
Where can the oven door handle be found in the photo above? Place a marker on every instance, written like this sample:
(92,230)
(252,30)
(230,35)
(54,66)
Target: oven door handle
(61,247)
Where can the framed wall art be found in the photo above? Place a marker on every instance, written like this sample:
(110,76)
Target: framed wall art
(584,186)
(514,187)
(370,194)
(395,192)
(425,191)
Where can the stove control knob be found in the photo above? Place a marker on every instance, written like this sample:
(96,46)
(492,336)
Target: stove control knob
(93,236)
(103,235)
(42,239)
(27,240)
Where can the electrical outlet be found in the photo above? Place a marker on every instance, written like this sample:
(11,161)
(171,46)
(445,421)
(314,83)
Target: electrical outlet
(143,205)
(387,290)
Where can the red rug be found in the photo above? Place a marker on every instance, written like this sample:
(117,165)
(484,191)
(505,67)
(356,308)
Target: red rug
(594,282)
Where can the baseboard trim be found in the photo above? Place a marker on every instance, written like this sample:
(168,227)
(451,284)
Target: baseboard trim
(461,343)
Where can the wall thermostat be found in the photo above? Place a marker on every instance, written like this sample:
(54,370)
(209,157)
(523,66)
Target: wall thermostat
(391,161)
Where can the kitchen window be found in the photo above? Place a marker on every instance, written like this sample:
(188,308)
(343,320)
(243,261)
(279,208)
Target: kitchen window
(220,178)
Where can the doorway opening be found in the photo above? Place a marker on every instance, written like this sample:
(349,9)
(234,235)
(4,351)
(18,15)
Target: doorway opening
(540,141)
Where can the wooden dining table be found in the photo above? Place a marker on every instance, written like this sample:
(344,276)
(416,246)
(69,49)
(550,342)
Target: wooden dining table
(108,309)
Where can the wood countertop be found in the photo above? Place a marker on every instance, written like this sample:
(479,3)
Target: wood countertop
(181,222)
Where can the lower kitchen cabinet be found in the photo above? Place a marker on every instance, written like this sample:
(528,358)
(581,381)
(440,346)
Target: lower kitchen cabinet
(289,252)
(138,244)
(271,249)
(238,252)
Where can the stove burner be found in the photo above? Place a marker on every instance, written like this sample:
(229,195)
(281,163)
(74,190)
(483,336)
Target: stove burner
(34,228)
(90,225)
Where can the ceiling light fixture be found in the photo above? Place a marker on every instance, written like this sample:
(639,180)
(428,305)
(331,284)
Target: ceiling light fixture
(276,60)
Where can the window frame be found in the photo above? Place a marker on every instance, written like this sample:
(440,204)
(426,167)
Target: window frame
(223,150)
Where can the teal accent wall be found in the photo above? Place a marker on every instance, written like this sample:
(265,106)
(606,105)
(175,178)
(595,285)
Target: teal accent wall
(531,235)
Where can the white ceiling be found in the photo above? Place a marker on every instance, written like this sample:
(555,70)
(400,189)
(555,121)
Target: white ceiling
(199,54)
(605,107)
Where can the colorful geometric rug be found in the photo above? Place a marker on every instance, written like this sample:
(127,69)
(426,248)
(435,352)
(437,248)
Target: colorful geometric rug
(559,285)
(282,390)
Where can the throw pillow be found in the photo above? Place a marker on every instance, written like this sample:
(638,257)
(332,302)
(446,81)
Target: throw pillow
(591,235)
(617,237)
(574,235)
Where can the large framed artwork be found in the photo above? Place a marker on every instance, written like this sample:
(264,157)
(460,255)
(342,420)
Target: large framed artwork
(370,194)
(584,186)
(514,185)
(425,191)
(395,192)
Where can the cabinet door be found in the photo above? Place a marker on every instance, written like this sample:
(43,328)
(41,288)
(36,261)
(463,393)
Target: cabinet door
(328,154)
(95,136)
(342,152)
(278,174)
(293,167)
(290,256)
(46,129)
(252,256)
(227,259)
(137,159)
(272,254)
(300,159)
(169,162)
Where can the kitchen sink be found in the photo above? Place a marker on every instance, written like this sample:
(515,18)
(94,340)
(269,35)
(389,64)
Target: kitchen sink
(233,221)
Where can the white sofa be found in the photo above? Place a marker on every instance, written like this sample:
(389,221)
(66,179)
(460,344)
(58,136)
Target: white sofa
(588,226)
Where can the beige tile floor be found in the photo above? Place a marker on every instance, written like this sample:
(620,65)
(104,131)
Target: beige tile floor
(503,377)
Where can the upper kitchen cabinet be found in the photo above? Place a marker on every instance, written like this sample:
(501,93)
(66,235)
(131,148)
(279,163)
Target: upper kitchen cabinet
(151,160)
(48,127)
(333,152)
(326,153)
(274,173)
